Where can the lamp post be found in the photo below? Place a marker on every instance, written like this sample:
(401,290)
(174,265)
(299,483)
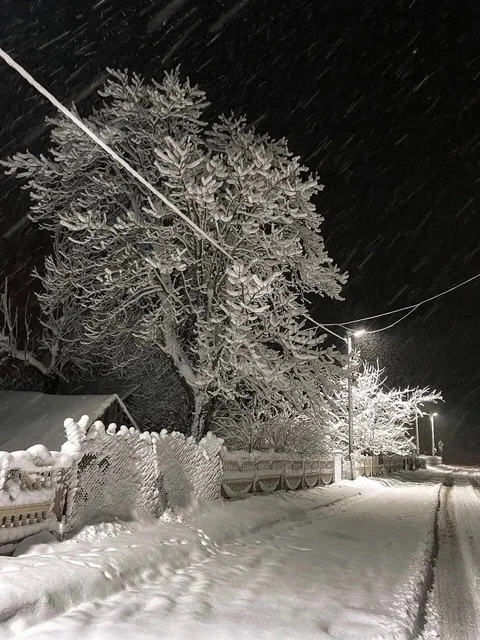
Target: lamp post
(417,438)
(351,334)
(432,424)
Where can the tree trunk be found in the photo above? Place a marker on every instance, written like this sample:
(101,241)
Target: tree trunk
(190,397)
(209,414)
(198,418)
(203,414)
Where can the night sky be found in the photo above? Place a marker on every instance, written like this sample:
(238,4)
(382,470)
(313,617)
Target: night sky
(379,98)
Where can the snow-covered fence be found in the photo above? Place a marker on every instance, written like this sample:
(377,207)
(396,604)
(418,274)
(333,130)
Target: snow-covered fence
(103,473)
(123,473)
(115,474)
(369,466)
(188,470)
(32,493)
(263,473)
(421,462)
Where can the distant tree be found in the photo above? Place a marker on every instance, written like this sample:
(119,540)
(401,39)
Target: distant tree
(128,280)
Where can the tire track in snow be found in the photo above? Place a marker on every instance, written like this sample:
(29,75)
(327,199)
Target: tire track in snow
(428,585)
(449,608)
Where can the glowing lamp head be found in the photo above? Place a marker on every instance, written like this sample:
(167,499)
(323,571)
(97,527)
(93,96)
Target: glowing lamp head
(360,332)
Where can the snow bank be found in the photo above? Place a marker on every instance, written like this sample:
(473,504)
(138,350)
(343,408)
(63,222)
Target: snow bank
(356,570)
(79,571)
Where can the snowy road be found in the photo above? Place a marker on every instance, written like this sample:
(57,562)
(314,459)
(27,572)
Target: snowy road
(454,606)
(394,558)
(353,571)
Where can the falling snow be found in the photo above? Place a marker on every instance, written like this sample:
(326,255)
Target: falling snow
(380,101)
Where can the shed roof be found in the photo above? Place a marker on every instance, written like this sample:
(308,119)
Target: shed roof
(28,418)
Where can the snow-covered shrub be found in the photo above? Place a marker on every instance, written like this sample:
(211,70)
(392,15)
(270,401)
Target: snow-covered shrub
(269,428)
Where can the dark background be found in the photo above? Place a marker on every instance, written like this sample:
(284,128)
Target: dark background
(380,98)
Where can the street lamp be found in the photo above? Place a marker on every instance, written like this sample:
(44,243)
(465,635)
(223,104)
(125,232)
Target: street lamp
(351,334)
(432,423)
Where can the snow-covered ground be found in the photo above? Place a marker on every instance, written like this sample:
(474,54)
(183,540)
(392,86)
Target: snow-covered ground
(45,580)
(348,561)
(395,557)
(454,605)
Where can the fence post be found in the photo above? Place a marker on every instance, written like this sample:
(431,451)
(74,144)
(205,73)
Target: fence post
(337,466)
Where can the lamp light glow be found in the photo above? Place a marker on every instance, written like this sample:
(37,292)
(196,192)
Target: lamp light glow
(360,332)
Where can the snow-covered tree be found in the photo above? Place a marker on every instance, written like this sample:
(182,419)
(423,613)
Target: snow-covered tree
(129,279)
(383,417)
(303,427)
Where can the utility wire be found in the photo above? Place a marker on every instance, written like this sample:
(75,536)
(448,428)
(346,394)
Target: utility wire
(412,306)
(113,154)
(323,326)
(392,324)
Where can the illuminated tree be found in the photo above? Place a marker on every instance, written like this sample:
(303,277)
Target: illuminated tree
(129,280)
(383,417)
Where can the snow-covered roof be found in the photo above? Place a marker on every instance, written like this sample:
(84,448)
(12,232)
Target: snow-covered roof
(28,418)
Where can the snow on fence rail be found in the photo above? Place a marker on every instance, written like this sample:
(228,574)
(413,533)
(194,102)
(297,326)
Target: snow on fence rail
(32,492)
(369,466)
(263,473)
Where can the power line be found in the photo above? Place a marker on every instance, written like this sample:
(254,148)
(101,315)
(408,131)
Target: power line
(392,324)
(113,154)
(412,306)
(323,326)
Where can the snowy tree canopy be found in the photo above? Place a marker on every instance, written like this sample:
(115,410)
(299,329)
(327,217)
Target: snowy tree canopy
(126,270)
(383,417)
